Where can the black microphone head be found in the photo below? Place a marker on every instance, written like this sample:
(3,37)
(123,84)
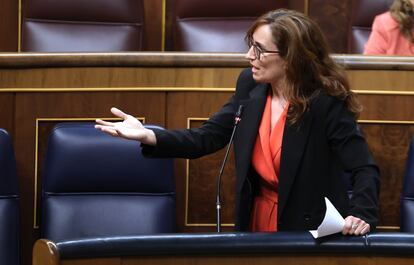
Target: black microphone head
(237,117)
(239,111)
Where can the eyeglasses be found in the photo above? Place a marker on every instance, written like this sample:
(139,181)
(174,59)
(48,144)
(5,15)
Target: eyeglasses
(258,51)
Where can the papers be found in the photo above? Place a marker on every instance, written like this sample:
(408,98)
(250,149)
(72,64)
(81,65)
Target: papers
(332,223)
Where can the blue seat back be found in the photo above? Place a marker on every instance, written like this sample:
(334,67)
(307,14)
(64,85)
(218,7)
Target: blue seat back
(362,15)
(97,185)
(407,195)
(9,204)
(217,25)
(82,26)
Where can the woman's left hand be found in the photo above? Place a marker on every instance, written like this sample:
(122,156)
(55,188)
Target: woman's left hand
(355,226)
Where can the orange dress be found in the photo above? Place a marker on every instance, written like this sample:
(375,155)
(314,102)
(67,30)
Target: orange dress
(266,161)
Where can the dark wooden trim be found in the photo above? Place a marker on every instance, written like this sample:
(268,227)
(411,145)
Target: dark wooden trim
(181,59)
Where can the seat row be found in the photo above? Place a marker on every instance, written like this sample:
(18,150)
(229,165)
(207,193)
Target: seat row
(199,26)
(97,186)
(113,26)
(93,185)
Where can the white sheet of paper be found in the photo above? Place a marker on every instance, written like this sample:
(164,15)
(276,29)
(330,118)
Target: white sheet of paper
(332,223)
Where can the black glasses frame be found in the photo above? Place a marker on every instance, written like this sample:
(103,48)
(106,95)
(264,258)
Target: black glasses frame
(258,51)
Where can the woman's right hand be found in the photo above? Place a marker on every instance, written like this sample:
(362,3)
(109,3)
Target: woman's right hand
(130,128)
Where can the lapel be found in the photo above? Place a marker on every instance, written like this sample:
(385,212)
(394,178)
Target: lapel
(293,145)
(248,129)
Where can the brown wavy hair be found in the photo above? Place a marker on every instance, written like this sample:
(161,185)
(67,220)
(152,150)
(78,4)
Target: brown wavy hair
(310,68)
(403,12)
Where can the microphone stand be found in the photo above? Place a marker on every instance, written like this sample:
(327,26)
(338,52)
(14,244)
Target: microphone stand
(237,119)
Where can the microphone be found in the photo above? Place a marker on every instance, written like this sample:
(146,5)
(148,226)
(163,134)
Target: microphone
(237,119)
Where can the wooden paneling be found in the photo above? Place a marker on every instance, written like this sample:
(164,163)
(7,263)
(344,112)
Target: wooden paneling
(389,145)
(169,24)
(381,80)
(387,107)
(332,16)
(299,5)
(388,125)
(153,27)
(7,112)
(123,78)
(202,184)
(179,91)
(198,182)
(9,25)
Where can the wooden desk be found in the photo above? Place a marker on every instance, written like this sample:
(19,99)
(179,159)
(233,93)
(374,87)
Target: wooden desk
(295,248)
(179,90)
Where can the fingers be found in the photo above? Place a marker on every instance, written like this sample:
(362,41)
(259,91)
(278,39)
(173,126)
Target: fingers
(109,130)
(362,229)
(129,128)
(355,226)
(104,123)
(119,113)
(348,225)
(109,127)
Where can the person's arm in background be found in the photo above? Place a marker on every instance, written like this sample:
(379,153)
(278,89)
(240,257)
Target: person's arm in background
(377,41)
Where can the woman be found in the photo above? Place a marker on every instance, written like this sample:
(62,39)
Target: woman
(296,138)
(392,31)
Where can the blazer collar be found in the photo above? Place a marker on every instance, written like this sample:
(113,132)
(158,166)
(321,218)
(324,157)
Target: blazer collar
(293,144)
(248,129)
(294,140)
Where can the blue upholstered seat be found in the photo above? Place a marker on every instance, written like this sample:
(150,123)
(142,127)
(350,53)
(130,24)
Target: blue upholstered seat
(96,185)
(407,196)
(82,26)
(9,204)
(215,25)
(362,15)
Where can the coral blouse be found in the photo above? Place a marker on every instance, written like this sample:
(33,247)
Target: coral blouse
(266,162)
(386,38)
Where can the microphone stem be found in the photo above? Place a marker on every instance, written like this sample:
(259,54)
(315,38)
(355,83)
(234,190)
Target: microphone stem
(218,198)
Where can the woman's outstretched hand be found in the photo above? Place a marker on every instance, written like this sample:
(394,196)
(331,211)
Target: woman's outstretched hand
(130,128)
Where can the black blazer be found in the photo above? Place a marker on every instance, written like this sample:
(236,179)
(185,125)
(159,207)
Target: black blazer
(316,152)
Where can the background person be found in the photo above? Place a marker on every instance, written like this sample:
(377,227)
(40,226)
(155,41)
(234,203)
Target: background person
(392,31)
